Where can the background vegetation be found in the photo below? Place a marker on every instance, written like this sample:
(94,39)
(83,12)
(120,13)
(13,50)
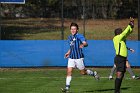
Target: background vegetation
(47,19)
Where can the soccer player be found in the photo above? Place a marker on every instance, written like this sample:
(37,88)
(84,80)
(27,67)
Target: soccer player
(75,56)
(127,66)
(121,53)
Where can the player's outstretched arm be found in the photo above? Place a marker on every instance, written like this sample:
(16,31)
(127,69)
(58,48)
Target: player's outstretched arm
(128,29)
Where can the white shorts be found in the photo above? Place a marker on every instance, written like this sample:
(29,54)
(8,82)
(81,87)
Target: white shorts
(76,63)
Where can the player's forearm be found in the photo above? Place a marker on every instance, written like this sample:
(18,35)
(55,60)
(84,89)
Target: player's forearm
(126,32)
(68,52)
(128,48)
(128,29)
(132,50)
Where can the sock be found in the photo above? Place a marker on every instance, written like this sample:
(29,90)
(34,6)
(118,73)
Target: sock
(112,71)
(118,82)
(89,72)
(130,71)
(68,80)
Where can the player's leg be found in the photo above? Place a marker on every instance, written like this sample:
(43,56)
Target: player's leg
(118,81)
(69,77)
(91,73)
(70,67)
(120,63)
(112,72)
(84,71)
(130,70)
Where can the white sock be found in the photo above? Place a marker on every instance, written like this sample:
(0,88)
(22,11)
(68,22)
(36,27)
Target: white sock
(89,72)
(133,76)
(68,80)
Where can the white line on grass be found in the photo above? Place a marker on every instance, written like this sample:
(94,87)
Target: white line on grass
(49,77)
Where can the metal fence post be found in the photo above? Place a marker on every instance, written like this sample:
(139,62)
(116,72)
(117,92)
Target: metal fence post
(139,20)
(62,21)
(84,17)
(0,22)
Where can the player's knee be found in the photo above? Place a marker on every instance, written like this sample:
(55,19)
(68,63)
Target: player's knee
(127,65)
(83,73)
(69,73)
(120,75)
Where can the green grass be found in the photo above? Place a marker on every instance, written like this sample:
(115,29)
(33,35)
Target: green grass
(44,80)
(50,28)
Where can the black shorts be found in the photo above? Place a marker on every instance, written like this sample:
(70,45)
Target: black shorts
(120,63)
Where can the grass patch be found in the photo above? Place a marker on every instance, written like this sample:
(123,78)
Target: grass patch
(44,80)
(50,28)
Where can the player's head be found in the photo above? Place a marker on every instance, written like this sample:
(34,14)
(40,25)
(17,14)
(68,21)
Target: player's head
(118,31)
(74,28)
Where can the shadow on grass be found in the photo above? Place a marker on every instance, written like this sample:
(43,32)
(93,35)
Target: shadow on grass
(105,90)
(16,33)
(16,30)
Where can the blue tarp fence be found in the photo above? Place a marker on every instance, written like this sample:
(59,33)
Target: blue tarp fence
(39,53)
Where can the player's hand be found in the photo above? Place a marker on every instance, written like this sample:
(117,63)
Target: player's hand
(84,44)
(131,23)
(66,55)
(132,50)
(81,46)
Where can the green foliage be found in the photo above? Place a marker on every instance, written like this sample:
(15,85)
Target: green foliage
(51,8)
(52,2)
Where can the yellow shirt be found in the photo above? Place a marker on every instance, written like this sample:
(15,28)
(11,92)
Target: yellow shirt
(119,42)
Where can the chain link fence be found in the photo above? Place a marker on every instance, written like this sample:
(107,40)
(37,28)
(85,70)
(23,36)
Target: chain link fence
(50,19)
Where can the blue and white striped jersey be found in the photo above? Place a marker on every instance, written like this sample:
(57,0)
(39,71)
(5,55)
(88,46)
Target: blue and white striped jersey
(75,50)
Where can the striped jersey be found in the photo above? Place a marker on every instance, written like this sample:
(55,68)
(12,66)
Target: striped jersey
(74,42)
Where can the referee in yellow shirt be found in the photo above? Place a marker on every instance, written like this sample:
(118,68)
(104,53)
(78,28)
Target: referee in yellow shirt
(121,53)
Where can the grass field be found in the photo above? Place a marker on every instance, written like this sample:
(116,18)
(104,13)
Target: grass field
(50,28)
(50,80)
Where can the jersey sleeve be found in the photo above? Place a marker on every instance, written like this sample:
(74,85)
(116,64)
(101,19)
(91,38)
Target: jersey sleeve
(126,32)
(68,40)
(82,38)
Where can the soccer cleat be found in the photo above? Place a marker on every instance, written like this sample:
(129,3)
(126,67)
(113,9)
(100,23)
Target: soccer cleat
(110,78)
(133,77)
(64,90)
(96,75)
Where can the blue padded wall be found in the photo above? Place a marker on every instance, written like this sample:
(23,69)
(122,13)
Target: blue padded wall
(35,53)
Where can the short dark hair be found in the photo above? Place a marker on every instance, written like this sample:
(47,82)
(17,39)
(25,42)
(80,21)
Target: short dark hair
(74,24)
(118,31)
